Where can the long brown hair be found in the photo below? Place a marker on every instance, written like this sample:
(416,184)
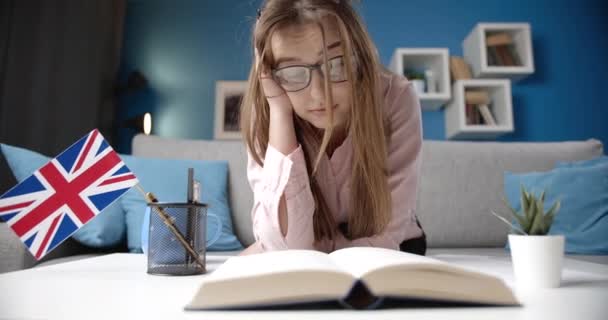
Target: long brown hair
(370,194)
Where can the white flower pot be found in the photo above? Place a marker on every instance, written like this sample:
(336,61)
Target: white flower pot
(537,260)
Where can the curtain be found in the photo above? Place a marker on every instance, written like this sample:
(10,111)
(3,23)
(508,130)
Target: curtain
(58,66)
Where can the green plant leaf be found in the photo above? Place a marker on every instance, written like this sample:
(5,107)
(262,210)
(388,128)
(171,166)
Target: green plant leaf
(506,202)
(554,209)
(524,202)
(531,214)
(513,226)
(532,218)
(520,220)
(541,211)
(539,218)
(551,214)
(540,205)
(542,196)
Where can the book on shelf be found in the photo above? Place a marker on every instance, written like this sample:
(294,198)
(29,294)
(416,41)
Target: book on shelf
(486,114)
(514,55)
(491,56)
(498,39)
(459,69)
(470,114)
(501,50)
(473,115)
(494,59)
(503,56)
(476,107)
(358,278)
(476,97)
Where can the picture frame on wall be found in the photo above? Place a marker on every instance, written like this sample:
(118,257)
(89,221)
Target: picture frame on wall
(228,97)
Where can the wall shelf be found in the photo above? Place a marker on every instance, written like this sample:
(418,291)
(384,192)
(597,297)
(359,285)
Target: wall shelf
(475,51)
(434,59)
(501,107)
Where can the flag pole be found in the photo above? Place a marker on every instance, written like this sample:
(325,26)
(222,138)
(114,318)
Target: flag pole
(151,198)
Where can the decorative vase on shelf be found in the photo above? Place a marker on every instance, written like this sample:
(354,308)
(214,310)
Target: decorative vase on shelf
(431,82)
(419,85)
(537,257)
(417,80)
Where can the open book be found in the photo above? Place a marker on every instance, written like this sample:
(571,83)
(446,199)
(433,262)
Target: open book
(360,278)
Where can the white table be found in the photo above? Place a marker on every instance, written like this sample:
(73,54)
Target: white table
(117,286)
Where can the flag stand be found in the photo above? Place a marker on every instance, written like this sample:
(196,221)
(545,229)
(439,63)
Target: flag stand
(169,222)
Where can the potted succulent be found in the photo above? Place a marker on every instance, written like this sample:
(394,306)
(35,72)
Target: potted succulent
(537,256)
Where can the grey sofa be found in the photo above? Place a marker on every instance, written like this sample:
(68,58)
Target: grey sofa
(460,182)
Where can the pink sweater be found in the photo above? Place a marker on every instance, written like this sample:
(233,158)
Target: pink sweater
(286,174)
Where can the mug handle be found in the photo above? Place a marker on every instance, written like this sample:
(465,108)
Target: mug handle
(218,229)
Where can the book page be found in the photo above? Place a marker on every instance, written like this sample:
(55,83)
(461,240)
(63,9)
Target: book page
(274,262)
(272,278)
(361,260)
(394,273)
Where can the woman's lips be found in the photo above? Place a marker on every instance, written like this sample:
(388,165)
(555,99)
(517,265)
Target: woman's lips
(322,110)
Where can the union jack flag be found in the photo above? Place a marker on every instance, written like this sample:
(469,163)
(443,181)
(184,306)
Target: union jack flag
(55,201)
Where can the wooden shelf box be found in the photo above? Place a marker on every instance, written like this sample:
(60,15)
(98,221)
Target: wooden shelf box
(433,59)
(475,51)
(499,91)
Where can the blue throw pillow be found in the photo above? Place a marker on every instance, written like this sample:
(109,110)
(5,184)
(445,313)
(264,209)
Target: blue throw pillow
(583,192)
(107,229)
(167,179)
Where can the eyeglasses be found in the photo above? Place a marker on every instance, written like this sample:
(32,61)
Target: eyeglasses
(296,78)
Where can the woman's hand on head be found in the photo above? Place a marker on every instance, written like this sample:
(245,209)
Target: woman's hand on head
(281,132)
(276,96)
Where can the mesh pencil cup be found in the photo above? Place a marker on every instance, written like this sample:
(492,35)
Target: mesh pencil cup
(166,253)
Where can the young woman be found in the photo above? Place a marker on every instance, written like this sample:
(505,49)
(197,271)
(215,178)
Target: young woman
(334,140)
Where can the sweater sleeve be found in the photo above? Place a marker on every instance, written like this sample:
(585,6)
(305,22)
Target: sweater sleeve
(281,175)
(404,156)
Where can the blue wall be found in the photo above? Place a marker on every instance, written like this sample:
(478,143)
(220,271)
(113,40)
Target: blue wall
(184,46)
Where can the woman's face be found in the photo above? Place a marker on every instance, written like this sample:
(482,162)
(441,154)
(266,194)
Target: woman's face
(303,45)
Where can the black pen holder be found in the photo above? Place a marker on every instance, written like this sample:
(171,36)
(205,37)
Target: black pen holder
(166,253)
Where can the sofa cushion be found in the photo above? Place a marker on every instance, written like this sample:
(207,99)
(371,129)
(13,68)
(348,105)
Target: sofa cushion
(462,181)
(167,179)
(239,193)
(106,230)
(583,192)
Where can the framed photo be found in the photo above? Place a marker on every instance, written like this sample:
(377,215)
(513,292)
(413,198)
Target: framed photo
(228,97)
